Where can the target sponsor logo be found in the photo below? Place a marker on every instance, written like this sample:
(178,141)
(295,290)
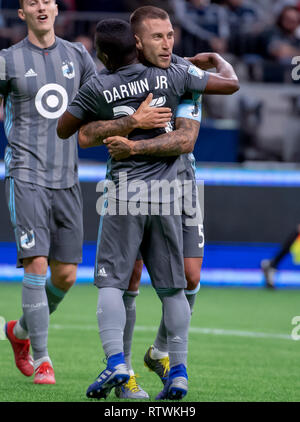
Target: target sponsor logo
(51,101)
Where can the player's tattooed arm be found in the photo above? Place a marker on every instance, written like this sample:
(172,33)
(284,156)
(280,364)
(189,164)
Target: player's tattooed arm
(93,134)
(146,117)
(180,141)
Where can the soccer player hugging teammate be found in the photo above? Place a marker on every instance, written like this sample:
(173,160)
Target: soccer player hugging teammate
(158,237)
(39,76)
(154,37)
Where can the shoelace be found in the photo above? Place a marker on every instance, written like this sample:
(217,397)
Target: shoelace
(43,369)
(166,364)
(24,351)
(132,384)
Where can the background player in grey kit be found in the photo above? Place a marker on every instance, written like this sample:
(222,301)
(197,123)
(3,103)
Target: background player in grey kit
(40,75)
(121,236)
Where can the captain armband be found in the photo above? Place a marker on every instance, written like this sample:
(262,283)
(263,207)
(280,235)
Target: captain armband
(190,109)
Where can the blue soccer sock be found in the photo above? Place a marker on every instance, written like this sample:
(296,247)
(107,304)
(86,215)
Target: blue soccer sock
(116,359)
(178,371)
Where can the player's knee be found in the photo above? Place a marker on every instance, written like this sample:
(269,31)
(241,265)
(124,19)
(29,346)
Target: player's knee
(64,278)
(193,279)
(35,265)
(167,292)
(136,276)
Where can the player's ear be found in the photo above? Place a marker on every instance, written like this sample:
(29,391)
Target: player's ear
(138,42)
(56,12)
(21,14)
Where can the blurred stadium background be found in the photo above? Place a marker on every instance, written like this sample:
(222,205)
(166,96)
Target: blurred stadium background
(248,150)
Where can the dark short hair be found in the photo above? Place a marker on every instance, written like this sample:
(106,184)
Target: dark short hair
(114,37)
(146,12)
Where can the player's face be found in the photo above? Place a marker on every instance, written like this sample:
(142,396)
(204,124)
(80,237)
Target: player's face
(39,15)
(155,41)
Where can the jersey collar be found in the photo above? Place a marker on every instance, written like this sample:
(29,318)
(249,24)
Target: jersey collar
(36,48)
(131,68)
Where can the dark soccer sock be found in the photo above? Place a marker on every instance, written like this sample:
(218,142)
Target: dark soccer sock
(54,295)
(130,308)
(111,317)
(36,313)
(176,319)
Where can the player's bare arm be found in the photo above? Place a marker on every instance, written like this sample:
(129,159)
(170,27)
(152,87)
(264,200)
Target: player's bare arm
(181,141)
(146,117)
(67,125)
(224,81)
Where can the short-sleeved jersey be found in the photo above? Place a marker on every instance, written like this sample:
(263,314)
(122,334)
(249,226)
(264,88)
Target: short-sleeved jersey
(37,85)
(188,160)
(107,97)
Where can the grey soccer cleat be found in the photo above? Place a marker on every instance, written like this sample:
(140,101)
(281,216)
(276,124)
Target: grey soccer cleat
(174,389)
(131,390)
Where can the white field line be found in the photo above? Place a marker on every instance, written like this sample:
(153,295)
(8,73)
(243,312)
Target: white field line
(194,330)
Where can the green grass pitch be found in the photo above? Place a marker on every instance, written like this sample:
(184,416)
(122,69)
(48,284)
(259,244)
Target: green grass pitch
(239,346)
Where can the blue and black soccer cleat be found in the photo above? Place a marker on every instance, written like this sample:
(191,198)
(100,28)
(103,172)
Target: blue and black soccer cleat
(116,373)
(176,386)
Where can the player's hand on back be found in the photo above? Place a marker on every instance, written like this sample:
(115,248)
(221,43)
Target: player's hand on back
(148,117)
(119,147)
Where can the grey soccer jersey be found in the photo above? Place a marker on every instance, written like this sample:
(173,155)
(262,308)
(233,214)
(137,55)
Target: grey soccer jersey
(106,97)
(37,85)
(187,159)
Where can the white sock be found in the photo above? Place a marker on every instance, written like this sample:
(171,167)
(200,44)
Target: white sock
(155,353)
(131,372)
(19,332)
(38,362)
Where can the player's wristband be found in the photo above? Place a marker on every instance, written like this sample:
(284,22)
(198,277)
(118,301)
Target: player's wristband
(189,109)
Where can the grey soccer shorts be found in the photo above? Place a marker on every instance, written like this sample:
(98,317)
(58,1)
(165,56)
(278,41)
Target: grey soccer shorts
(192,219)
(46,222)
(158,237)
